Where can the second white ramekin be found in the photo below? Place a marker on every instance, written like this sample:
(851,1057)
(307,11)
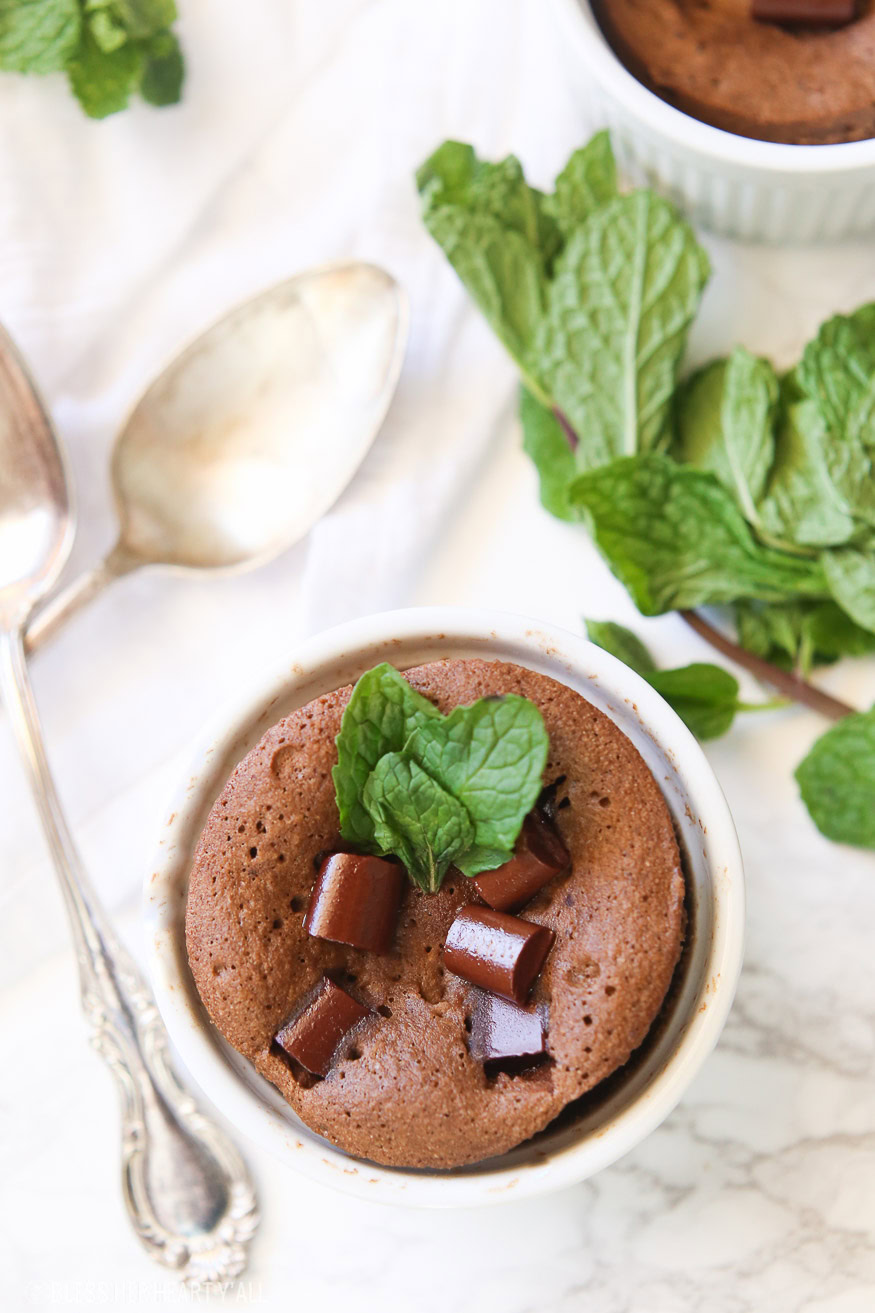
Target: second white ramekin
(756,190)
(613,1119)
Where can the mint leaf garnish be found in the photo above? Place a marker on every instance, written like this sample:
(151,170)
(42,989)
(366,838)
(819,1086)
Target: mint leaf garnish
(800,634)
(104,80)
(108,48)
(38,36)
(107,29)
(725,424)
(621,298)
(379,718)
(676,538)
(850,574)
(164,71)
(837,781)
(496,233)
(547,445)
(490,756)
(588,180)
(416,819)
(621,643)
(140,18)
(705,696)
(436,790)
(802,504)
(837,372)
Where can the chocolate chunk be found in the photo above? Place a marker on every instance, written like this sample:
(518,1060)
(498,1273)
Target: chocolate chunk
(539,855)
(355,901)
(501,1030)
(311,1037)
(805,13)
(547,804)
(496,951)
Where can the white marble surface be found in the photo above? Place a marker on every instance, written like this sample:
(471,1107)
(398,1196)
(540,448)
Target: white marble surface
(296,144)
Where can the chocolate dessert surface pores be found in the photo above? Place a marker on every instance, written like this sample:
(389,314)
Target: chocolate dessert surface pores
(801,84)
(404,1088)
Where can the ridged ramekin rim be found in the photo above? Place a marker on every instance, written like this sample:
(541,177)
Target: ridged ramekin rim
(783,163)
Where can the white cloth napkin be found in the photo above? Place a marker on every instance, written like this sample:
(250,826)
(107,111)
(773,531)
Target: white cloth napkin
(296,143)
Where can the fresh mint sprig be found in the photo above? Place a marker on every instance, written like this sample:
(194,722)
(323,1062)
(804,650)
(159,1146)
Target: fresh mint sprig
(734,486)
(436,790)
(109,49)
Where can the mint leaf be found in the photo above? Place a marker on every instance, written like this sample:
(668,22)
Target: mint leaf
(107,29)
(490,756)
(623,292)
(621,643)
(774,631)
(103,81)
(38,36)
(800,634)
(141,18)
(675,538)
(380,716)
(830,633)
(416,819)
(454,177)
(549,449)
(802,504)
(725,424)
(703,695)
(588,180)
(496,233)
(837,781)
(164,72)
(850,574)
(837,372)
(436,789)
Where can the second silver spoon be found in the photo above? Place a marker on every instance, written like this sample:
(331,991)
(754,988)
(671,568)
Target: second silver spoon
(252,432)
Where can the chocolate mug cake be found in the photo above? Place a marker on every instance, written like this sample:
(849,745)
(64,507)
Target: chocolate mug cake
(437,1023)
(794,71)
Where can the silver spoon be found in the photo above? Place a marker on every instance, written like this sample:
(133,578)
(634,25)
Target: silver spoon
(186,1188)
(252,433)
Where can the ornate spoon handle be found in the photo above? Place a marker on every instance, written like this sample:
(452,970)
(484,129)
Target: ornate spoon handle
(185,1187)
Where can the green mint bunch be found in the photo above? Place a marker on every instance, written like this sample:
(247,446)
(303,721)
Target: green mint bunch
(109,49)
(435,790)
(734,486)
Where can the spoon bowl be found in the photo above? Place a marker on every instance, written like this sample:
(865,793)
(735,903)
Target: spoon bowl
(36,517)
(253,431)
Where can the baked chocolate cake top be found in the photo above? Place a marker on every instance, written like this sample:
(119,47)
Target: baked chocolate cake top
(404,1087)
(712,59)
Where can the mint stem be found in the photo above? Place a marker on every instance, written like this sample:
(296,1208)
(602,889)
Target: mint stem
(573,439)
(783,680)
(773,704)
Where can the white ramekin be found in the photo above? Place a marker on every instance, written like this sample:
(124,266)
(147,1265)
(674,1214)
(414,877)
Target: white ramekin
(757,190)
(663,1068)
